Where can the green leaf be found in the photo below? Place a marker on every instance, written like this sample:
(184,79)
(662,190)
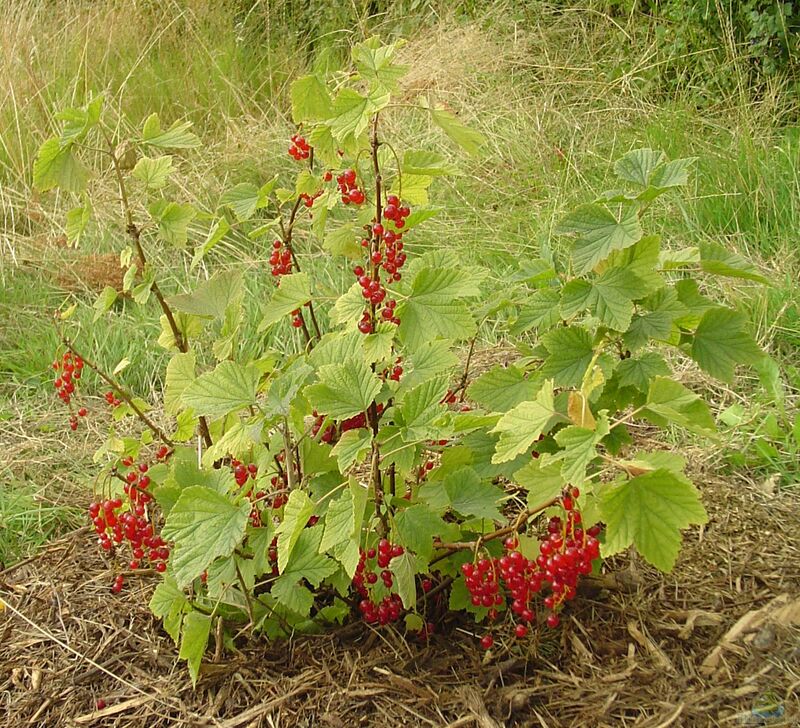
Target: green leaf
(228,388)
(668,400)
(352,112)
(78,122)
(470,140)
(218,231)
(168,603)
(503,388)
(432,308)
(643,260)
(212,297)
(204,525)
(349,306)
(656,319)
(339,518)
(600,232)
(298,509)
(430,164)
(353,445)
(543,482)
(539,310)
(293,292)
(180,374)
(374,63)
(637,165)
(196,629)
(310,100)
(245,198)
(294,596)
(104,302)
(639,371)
(579,450)
(344,241)
(285,385)
(378,346)
(471,497)
(154,172)
(173,221)
(650,511)
(306,562)
(335,347)
(418,525)
(717,259)
(613,295)
(404,568)
(672,174)
(186,422)
(570,351)
(177,136)
(721,342)
(55,166)
(77,220)
(433,357)
(414,189)
(344,389)
(522,425)
(421,407)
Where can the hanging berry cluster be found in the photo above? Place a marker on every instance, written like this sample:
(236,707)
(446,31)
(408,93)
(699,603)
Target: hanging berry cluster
(567,552)
(351,192)
(242,474)
(68,371)
(308,200)
(299,148)
(388,608)
(280,259)
(116,521)
(112,400)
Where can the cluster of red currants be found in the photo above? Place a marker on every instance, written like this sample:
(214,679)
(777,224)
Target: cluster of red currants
(68,371)
(389,608)
(136,484)
(242,472)
(280,259)
(566,553)
(113,525)
(396,371)
(348,186)
(308,200)
(279,499)
(299,148)
(297,318)
(112,400)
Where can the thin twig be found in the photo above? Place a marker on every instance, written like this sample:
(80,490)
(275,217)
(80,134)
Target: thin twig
(134,233)
(124,395)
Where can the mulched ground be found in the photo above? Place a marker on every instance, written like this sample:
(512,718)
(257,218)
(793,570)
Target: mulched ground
(716,643)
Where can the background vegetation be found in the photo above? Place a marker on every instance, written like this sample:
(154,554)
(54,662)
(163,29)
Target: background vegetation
(559,89)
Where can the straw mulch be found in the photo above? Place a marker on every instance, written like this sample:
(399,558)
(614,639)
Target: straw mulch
(716,643)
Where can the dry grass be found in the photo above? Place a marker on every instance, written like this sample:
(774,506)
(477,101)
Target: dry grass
(630,656)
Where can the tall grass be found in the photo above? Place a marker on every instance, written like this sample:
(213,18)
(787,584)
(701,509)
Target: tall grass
(556,94)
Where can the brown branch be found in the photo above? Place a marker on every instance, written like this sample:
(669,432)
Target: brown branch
(465,376)
(521,520)
(286,234)
(124,395)
(134,233)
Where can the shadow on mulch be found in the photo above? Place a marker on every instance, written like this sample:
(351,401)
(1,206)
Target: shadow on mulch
(715,643)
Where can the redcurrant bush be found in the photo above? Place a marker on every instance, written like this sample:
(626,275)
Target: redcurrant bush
(346,464)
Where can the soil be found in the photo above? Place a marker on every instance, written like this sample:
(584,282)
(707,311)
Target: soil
(715,643)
